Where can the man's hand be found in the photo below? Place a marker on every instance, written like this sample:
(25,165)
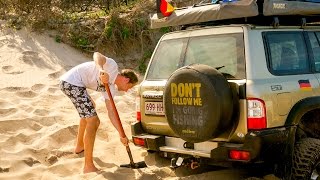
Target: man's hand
(125,141)
(104,77)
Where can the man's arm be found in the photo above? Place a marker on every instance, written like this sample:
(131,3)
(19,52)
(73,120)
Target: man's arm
(113,118)
(99,59)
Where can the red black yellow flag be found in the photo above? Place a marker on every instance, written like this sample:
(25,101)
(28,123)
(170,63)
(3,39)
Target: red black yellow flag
(164,7)
(305,85)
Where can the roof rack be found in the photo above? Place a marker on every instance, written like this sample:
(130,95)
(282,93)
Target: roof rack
(260,20)
(257,12)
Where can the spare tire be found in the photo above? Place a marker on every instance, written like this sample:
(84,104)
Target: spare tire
(198,103)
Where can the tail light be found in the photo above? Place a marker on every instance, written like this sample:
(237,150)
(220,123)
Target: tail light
(138,108)
(256,114)
(139,141)
(239,155)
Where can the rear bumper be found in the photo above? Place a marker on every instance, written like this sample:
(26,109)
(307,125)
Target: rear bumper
(265,145)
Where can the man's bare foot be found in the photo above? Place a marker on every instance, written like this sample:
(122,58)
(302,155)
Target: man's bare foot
(90,169)
(78,150)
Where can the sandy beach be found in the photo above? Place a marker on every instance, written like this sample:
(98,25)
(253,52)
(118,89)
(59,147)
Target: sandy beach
(38,123)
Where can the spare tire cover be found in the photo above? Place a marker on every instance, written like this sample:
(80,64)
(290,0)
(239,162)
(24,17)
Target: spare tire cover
(198,102)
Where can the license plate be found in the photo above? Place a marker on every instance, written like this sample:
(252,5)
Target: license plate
(154,108)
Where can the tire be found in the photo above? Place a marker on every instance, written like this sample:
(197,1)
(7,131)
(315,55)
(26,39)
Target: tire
(198,103)
(306,159)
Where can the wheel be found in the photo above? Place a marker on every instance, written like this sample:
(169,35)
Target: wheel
(198,103)
(306,159)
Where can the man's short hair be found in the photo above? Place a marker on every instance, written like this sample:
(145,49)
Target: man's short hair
(131,74)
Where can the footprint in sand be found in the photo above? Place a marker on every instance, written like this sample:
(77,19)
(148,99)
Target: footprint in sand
(60,154)
(7,112)
(27,108)
(35,126)
(4,170)
(5,103)
(15,89)
(56,74)
(41,112)
(52,159)
(30,57)
(10,70)
(26,94)
(38,87)
(62,134)
(24,138)
(7,68)
(30,161)
(52,90)
(12,46)
(30,53)
(3,42)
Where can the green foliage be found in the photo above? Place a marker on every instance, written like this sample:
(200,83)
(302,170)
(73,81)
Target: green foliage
(141,23)
(82,41)
(58,38)
(72,16)
(111,25)
(108,31)
(79,41)
(143,62)
(15,23)
(165,30)
(147,54)
(118,30)
(96,14)
(142,67)
(125,33)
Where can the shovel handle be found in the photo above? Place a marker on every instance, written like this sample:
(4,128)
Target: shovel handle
(121,131)
(130,156)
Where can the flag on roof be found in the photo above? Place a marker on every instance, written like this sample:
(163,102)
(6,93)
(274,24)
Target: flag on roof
(166,8)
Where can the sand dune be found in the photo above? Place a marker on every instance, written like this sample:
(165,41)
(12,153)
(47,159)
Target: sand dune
(38,124)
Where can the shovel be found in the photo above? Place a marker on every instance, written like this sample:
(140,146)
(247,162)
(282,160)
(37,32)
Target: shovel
(132,165)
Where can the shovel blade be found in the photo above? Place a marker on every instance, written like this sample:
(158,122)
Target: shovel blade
(137,165)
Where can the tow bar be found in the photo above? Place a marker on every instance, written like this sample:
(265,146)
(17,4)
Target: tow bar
(193,163)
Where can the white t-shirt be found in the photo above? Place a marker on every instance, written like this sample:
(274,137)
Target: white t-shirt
(87,75)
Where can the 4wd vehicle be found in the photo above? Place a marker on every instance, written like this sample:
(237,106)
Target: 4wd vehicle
(241,93)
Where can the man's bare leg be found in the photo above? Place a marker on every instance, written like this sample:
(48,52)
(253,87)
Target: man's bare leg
(89,138)
(82,127)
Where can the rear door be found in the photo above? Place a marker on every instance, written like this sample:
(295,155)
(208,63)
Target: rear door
(217,47)
(314,51)
(290,63)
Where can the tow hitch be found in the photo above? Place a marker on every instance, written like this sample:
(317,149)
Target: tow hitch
(193,163)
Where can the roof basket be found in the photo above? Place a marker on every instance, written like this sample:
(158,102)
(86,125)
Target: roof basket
(259,12)
(274,21)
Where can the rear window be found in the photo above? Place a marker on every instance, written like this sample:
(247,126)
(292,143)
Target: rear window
(287,53)
(314,38)
(166,58)
(224,52)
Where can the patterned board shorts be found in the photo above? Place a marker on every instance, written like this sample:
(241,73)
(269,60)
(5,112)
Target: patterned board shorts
(80,99)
